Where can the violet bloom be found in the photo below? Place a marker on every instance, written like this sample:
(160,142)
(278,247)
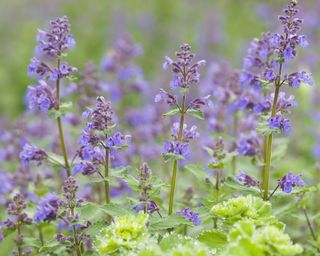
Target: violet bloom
(32,153)
(187,134)
(86,168)
(117,140)
(247,180)
(40,97)
(57,39)
(248,146)
(151,207)
(279,122)
(47,208)
(185,73)
(170,99)
(289,181)
(190,215)
(177,148)
(101,116)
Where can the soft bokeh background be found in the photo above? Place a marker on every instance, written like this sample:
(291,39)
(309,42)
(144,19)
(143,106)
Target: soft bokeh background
(223,26)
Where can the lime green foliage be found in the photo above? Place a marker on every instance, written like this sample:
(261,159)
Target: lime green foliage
(248,207)
(247,239)
(128,235)
(178,245)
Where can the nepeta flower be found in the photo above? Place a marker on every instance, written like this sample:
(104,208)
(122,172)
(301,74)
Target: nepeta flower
(171,100)
(32,153)
(117,140)
(280,122)
(200,102)
(187,134)
(57,39)
(295,79)
(289,181)
(38,68)
(101,116)
(177,148)
(86,168)
(40,97)
(190,215)
(247,180)
(47,208)
(185,73)
(248,146)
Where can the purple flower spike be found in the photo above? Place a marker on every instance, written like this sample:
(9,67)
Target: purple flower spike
(248,146)
(57,39)
(185,73)
(47,208)
(40,98)
(190,215)
(247,180)
(32,153)
(289,181)
(280,122)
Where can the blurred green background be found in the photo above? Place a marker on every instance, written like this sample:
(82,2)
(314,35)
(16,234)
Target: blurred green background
(223,26)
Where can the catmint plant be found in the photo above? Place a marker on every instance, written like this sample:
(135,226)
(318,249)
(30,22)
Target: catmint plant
(17,219)
(49,70)
(185,74)
(99,143)
(265,66)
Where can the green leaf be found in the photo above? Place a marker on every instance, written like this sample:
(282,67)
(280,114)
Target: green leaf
(195,113)
(240,188)
(63,109)
(55,159)
(198,171)
(171,157)
(170,221)
(213,239)
(116,209)
(172,112)
(218,165)
(31,242)
(91,211)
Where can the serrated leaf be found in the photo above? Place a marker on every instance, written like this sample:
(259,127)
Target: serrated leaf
(91,211)
(170,221)
(116,209)
(213,239)
(195,113)
(171,112)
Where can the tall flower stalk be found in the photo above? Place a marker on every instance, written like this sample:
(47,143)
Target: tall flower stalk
(264,66)
(185,75)
(52,45)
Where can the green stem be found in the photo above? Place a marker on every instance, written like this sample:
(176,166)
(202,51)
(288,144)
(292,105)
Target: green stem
(20,253)
(175,162)
(218,179)
(269,147)
(62,141)
(75,237)
(106,176)
(41,235)
(313,234)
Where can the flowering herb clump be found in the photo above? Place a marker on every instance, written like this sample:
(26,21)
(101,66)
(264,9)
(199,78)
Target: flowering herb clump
(74,182)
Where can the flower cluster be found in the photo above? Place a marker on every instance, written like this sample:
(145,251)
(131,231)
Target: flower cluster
(248,146)
(32,153)
(190,215)
(185,73)
(247,180)
(289,181)
(52,43)
(47,208)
